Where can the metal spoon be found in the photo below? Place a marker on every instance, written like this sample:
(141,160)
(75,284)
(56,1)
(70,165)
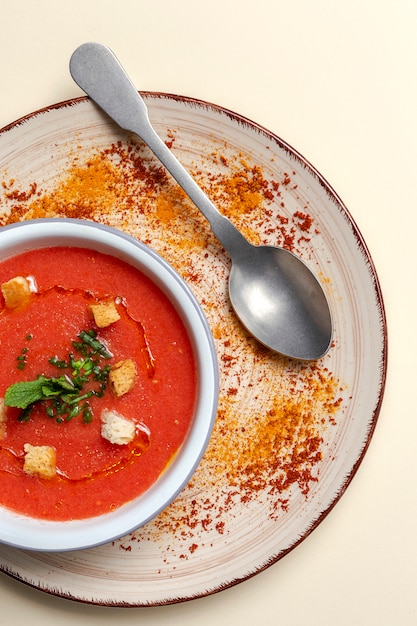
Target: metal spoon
(275,295)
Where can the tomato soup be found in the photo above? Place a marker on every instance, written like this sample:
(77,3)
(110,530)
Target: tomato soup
(41,338)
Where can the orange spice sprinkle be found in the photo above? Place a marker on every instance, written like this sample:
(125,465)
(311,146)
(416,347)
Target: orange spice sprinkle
(268,436)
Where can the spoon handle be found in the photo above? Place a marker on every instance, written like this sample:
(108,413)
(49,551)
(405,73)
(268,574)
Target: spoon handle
(98,72)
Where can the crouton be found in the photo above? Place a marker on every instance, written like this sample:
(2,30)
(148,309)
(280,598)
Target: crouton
(122,377)
(3,418)
(40,461)
(16,292)
(104,313)
(116,428)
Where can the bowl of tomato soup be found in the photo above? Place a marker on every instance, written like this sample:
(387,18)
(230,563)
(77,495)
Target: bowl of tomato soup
(108,384)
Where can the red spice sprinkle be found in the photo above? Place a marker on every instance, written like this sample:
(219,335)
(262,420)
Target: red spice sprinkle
(268,435)
(20,196)
(305,221)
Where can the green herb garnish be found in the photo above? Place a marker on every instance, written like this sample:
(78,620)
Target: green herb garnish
(21,359)
(66,396)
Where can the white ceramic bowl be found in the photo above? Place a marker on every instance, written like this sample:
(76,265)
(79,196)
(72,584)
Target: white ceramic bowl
(33,534)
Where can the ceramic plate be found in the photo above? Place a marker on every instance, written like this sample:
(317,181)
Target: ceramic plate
(289,436)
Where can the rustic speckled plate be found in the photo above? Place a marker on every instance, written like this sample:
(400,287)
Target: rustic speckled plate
(289,437)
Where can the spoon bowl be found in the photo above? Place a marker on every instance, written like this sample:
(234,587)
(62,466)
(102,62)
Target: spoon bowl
(273,292)
(293,324)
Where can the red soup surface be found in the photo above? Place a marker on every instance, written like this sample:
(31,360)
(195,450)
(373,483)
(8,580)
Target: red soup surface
(93,475)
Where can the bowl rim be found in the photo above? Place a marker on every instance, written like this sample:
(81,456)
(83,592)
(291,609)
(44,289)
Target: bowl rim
(34,534)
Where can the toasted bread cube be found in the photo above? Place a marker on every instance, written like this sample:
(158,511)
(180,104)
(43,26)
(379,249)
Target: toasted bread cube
(16,292)
(104,313)
(3,418)
(116,428)
(122,377)
(40,461)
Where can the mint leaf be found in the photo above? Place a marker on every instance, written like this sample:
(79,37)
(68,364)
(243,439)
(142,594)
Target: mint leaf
(23,394)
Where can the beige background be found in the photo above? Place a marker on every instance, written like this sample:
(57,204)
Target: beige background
(336,80)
